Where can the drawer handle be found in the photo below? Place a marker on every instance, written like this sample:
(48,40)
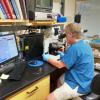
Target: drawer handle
(36,88)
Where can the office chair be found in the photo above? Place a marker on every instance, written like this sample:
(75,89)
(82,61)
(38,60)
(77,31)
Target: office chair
(95,87)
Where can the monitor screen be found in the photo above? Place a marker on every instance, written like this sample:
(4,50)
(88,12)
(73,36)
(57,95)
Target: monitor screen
(8,48)
(44,4)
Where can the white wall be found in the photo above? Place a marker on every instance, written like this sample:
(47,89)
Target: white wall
(70,7)
(56,6)
(90,11)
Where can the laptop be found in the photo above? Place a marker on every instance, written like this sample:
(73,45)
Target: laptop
(8,55)
(8,51)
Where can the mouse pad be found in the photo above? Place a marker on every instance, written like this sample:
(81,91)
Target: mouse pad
(35,63)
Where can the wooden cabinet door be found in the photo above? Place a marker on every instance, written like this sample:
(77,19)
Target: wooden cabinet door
(36,91)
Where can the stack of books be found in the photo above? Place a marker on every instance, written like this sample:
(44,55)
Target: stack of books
(13,9)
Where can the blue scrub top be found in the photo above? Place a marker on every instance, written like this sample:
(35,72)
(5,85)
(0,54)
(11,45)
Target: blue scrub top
(79,61)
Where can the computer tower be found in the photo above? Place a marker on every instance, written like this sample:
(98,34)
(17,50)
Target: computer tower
(32,45)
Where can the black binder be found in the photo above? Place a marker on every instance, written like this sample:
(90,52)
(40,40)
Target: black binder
(30,9)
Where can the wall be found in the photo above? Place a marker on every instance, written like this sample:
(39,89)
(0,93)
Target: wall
(56,6)
(69,10)
(90,11)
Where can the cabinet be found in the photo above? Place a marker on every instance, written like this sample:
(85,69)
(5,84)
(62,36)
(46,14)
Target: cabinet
(36,91)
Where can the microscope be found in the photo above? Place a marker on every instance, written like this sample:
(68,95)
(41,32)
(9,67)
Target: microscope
(59,44)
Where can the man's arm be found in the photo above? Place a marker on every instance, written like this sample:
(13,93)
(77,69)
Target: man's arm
(57,63)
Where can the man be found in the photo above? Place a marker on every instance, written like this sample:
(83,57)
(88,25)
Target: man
(79,62)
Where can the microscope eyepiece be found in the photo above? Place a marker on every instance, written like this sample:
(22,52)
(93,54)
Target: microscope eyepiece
(61,36)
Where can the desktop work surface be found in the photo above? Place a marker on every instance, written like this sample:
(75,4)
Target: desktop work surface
(9,87)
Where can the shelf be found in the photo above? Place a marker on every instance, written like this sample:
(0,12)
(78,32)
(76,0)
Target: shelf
(42,23)
(59,24)
(12,22)
(31,23)
(26,22)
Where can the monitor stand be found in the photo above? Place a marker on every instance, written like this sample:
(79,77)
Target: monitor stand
(7,68)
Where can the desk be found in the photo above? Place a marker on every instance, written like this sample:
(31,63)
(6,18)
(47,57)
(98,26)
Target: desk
(8,87)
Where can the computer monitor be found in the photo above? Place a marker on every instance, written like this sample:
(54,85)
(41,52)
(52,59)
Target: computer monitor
(8,48)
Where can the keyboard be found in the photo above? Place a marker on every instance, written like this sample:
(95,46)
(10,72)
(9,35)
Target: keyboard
(18,71)
(7,68)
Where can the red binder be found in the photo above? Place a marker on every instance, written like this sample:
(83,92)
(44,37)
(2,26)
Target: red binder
(9,8)
(4,7)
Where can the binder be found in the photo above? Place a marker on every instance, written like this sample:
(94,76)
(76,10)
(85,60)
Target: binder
(13,3)
(10,9)
(30,8)
(19,8)
(4,13)
(1,14)
(5,9)
(23,8)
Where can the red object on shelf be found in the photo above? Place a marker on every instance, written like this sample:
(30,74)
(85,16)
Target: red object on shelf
(5,9)
(10,9)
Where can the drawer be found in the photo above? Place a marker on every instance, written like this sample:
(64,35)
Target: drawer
(36,91)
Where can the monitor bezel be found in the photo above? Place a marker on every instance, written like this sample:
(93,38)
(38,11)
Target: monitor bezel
(16,46)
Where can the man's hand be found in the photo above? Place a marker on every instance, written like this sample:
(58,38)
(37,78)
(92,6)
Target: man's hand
(60,53)
(53,60)
(46,57)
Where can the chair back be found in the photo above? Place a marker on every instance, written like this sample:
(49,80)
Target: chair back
(96,84)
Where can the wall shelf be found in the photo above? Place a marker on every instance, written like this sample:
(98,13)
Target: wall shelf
(42,23)
(10,24)
(26,22)
(60,23)
(13,22)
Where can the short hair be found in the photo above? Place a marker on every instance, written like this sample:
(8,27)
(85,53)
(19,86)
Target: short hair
(74,28)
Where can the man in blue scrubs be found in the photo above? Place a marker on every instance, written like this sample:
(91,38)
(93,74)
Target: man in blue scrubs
(79,62)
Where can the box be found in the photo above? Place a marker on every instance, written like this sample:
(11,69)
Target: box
(61,19)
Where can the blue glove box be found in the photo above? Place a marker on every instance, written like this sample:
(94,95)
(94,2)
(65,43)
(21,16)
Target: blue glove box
(61,19)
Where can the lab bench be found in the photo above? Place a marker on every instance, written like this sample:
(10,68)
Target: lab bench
(31,87)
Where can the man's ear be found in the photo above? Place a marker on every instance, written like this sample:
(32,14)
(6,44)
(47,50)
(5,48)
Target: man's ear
(70,34)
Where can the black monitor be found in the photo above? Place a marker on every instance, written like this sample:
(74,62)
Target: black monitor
(8,48)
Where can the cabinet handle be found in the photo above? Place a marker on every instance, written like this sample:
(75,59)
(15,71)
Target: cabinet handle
(36,88)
